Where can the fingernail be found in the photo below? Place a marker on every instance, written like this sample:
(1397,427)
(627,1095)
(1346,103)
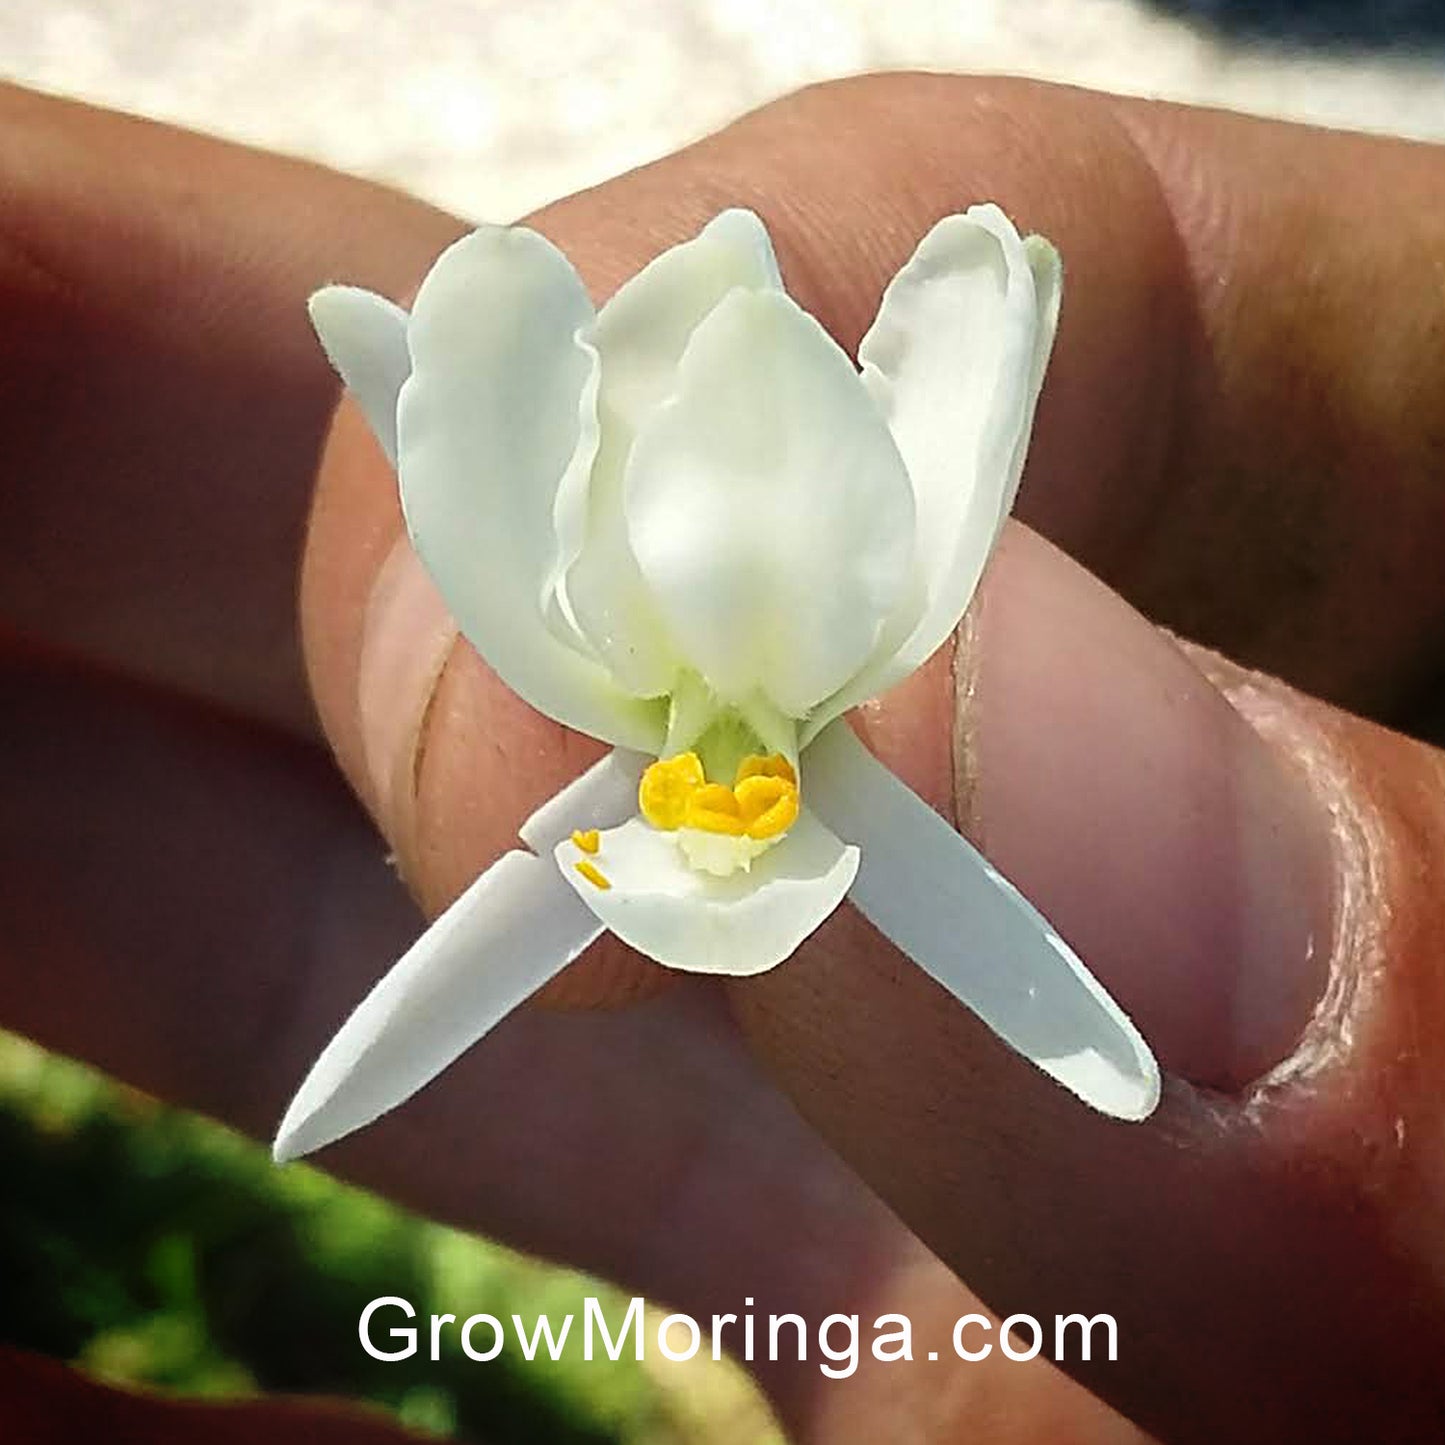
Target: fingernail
(1186,860)
(407,637)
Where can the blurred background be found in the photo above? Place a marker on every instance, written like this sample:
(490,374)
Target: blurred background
(491,107)
(207,1271)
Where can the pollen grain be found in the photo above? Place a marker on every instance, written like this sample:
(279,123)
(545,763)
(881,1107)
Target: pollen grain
(592,873)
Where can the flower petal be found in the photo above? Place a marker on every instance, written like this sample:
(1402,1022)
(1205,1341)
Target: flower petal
(490,420)
(1048,273)
(644,329)
(743,924)
(516,927)
(768,508)
(955,361)
(364,336)
(940,901)
(638,339)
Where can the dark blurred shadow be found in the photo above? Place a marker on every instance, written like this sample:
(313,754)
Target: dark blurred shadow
(1391,25)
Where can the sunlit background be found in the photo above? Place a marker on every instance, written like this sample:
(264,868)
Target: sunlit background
(491,107)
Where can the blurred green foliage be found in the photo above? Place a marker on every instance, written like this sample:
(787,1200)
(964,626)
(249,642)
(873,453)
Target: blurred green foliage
(153,1247)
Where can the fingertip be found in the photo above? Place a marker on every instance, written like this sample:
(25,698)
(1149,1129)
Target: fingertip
(1188,862)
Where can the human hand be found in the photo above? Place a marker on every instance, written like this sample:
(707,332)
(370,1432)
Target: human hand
(1218,419)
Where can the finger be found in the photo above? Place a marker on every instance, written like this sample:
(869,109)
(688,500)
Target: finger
(1202,889)
(408,711)
(1161,286)
(153,282)
(1193,870)
(1219,878)
(191,906)
(162,395)
(1240,430)
(1168,453)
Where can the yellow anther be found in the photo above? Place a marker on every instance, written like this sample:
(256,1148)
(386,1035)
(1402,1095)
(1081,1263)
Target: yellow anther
(775,765)
(588,842)
(592,873)
(666,786)
(714,809)
(762,804)
(767,804)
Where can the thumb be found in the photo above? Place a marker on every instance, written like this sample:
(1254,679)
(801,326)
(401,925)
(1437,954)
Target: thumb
(1258,884)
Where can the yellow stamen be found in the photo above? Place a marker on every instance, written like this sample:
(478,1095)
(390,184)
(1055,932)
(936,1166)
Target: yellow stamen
(588,842)
(762,804)
(767,803)
(666,786)
(592,873)
(775,765)
(714,808)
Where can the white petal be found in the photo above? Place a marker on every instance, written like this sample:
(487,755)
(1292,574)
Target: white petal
(364,336)
(489,422)
(644,329)
(1048,274)
(594,583)
(768,507)
(955,360)
(516,927)
(926,888)
(740,925)
(639,338)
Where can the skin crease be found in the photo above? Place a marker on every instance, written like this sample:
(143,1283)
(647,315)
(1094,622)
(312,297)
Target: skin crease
(1307,1302)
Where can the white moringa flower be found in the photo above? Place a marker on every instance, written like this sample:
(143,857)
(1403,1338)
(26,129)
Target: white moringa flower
(687,525)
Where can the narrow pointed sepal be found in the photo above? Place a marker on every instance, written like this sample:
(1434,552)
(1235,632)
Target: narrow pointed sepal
(364,337)
(958,918)
(516,927)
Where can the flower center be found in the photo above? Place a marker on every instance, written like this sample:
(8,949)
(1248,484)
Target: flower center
(721,828)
